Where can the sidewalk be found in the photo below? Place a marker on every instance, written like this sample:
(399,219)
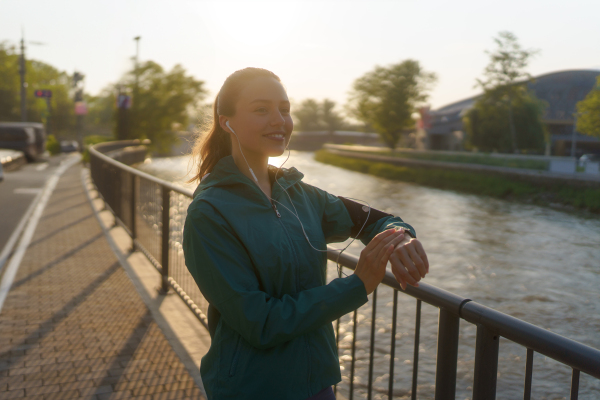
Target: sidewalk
(73,324)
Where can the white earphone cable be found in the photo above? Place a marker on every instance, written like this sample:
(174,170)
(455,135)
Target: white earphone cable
(295,212)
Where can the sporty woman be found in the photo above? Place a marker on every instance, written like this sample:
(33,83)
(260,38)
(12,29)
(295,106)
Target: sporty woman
(255,240)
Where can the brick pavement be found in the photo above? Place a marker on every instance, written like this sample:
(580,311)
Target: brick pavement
(73,325)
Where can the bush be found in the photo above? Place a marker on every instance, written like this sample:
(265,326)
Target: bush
(90,141)
(472,182)
(52,145)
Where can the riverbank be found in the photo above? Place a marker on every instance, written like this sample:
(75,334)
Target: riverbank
(542,193)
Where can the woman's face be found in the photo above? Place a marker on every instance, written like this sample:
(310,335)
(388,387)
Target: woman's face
(262,120)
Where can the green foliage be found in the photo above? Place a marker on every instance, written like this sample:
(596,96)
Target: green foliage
(307,116)
(386,98)
(472,182)
(162,103)
(487,124)
(476,158)
(90,141)
(102,109)
(52,145)
(60,120)
(311,115)
(588,110)
(507,117)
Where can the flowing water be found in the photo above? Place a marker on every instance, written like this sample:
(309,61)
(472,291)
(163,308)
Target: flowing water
(534,263)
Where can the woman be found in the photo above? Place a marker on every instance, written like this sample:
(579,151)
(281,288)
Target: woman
(255,240)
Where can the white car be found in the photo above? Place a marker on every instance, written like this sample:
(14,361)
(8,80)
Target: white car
(584,159)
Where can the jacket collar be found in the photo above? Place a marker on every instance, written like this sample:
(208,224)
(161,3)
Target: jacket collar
(226,173)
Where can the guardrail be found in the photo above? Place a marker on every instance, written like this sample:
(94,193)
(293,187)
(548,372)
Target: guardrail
(153,212)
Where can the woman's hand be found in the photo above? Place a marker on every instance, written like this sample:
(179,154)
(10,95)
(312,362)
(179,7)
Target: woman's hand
(374,257)
(409,262)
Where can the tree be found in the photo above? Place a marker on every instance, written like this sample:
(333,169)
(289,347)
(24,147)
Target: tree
(332,120)
(162,104)
(307,116)
(60,119)
(311,115)
(588,112)
(487,125)
(386,98)
(504,85)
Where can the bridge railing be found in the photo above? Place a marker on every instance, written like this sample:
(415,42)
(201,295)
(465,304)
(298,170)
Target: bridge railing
(153,212)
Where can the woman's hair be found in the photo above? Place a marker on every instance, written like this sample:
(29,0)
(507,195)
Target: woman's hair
(215,144)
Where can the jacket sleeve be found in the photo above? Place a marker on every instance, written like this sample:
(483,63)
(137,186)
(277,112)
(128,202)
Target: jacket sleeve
(221,267)
(344,218)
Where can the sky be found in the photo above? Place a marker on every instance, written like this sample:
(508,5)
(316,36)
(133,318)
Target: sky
(318,48)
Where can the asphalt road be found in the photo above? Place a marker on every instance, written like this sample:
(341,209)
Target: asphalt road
(19,189)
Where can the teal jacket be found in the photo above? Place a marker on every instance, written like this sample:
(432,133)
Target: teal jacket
(271,307)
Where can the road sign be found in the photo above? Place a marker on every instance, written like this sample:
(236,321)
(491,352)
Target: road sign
(123,101)
(80,108)
(43,93)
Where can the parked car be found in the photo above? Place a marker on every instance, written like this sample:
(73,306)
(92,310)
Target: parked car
(28,137)
(584,159)
(69,146)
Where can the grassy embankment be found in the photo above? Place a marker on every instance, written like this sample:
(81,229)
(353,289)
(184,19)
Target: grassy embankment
(473,182)
(476,158)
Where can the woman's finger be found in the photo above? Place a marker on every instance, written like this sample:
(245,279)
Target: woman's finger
(402,256)
(422,254)
(390,238)
(408,263)
(400,272)
(416,259)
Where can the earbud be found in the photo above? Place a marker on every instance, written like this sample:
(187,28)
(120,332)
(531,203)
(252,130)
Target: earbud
(295,212)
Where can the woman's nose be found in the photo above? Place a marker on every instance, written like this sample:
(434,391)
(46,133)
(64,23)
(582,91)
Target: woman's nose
(277,119)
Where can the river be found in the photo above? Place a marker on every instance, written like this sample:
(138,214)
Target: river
(534,263)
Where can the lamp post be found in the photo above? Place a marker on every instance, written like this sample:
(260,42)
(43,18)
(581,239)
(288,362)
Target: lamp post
(574,135)
(137,80)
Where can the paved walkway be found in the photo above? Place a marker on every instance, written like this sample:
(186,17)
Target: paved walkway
(73,325)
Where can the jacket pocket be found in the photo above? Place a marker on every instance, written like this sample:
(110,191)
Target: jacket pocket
(236,356)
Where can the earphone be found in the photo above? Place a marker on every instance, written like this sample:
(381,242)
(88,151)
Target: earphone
(295,212)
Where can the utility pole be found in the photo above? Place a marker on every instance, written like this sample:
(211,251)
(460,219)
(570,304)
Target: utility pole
(136,87)
(23,83)
(22,73)
(78,77)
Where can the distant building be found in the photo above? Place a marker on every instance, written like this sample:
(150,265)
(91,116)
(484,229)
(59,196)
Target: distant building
(561,90)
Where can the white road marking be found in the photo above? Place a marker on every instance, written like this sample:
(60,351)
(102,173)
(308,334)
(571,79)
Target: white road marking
(42,167)
(27,190)
(40,204)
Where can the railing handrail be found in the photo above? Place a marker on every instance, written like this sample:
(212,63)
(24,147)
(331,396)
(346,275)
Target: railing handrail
(137,172)
(490,323)
(567,351)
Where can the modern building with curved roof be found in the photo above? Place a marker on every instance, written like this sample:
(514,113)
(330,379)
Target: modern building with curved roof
(561,90)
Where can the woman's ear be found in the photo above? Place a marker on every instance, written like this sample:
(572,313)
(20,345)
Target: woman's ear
(222,120)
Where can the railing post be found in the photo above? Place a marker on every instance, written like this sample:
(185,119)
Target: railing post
(447,354)
(486,364)
(164,252)
(133,210)
(413,391)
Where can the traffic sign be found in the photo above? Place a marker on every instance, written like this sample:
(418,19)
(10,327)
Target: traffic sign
(123,101)
(80,108)
(43,93)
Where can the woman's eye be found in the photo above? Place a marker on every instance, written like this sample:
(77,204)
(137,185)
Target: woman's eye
(261,110)
(285,111)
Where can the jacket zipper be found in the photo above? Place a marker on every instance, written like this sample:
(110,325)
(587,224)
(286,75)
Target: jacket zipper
(275,209)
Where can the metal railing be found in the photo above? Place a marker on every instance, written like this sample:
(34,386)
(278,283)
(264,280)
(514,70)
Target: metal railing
(153,212)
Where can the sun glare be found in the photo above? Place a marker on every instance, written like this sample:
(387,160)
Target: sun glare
(257,24)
